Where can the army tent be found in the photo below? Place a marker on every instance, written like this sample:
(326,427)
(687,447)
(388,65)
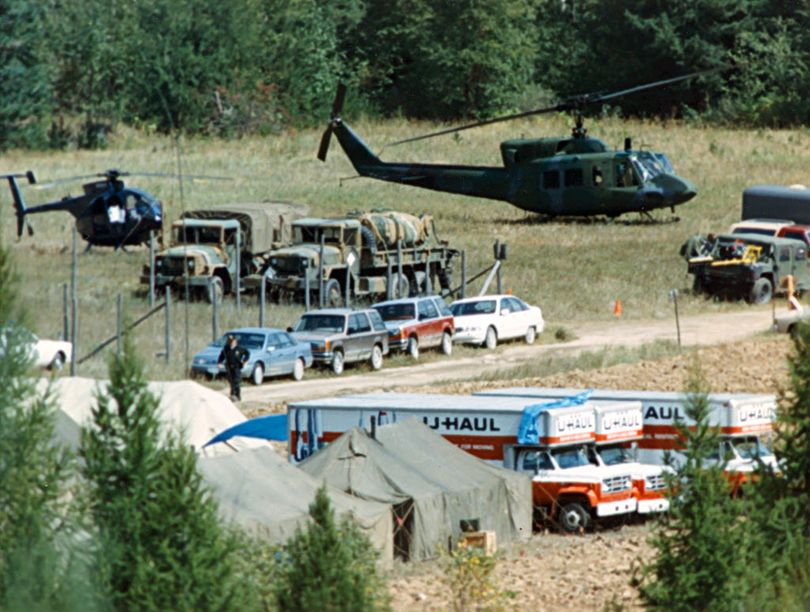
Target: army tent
(188,407)
(260,491)
(431,484)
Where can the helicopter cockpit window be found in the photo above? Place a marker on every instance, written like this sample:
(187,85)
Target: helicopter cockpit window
(573,177)
(648,166)
(625,177)
(551,179)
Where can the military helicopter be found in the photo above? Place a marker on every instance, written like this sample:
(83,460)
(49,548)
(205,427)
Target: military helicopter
(108,213)
(576,176)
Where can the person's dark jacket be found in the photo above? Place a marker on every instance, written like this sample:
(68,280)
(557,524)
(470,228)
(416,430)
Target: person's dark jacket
(233,358)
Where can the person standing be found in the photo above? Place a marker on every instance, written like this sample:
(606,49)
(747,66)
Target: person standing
(233,357)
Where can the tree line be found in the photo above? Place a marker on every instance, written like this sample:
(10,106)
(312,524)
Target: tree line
(71,71)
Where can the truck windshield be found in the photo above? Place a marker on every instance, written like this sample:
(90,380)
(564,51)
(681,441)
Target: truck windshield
(571,457)
(473,308)
(615,455)
(751,448)
(304,233)
(321,323)
(396,312)
(197,235)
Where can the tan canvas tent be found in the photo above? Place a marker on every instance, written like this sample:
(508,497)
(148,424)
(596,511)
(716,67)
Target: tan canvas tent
(431,484)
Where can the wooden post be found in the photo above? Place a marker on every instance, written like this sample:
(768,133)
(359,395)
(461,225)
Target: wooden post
(389,289)
(399,269)
(151,269)
(348,286)
(168,331)
(320,274)
(262,297)
(65,324)
(463,274)
(306,286)
(498,281)
(214,315)
(119,325)
(428,282)
(237,281)
(74,305)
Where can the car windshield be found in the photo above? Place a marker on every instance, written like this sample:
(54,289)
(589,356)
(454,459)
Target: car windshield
(461,309)
(571,458)
(320,323)
(243,339)
(616,455)
(396,312)
(751,448)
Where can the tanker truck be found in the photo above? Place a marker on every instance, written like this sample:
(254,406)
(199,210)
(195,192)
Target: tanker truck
(381,254)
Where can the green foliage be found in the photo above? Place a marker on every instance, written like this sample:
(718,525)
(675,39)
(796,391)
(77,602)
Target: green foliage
(40,563)
(161,544)
(699,542)
(329,566)
(469,574)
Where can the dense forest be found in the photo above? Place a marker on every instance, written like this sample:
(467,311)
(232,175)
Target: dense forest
(71,71)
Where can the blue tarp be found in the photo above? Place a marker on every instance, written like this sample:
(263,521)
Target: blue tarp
(527,431)
(272,427)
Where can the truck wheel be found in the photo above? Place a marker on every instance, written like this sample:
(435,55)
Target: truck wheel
(376,357)
(337,363)
(413,347)
(216,290)
(332,294)
(447,344)
(699,285)
(491,339)
(531,335)
(573,518)
(257,376)
(58,362)
(761,292)
(298,369)
(402,287)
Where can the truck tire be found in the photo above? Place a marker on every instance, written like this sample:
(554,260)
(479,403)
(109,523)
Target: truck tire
(491,339)
(333,297)
(413,347)
(401,286)
(216,290)
(376,359)
(573,517)
(447,344)
(761,292)
(257,375)
(58,362)
(337,363)
(699,285)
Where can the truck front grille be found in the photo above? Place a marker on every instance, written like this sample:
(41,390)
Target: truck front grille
(655,483)
(616,484)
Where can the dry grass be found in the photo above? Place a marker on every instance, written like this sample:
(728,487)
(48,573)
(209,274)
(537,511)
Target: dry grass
(573,270)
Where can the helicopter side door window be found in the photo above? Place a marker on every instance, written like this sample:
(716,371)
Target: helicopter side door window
(625,177)
(573,177)
(597,176)
(551,179)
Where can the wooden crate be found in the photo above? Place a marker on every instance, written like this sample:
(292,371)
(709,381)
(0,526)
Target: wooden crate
(480,539)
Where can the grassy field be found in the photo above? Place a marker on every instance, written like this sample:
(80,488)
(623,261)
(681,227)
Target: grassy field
(574,271)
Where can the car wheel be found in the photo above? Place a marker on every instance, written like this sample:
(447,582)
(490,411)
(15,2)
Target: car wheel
(413,347)
(573,518)
(216,290)
(531,335)
(298,369)
(376,357)
(761,292)
(447,344)
(257,376)
(337,363)
(58,362)
(491,339)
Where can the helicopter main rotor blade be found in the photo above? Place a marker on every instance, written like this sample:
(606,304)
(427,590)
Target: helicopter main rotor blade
(205,177)
(337,108)
(62,181)
(631,90)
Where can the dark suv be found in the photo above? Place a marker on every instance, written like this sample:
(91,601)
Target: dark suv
(340,335)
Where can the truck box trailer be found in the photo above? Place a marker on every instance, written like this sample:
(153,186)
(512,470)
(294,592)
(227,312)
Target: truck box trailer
(566,485)
(776,202)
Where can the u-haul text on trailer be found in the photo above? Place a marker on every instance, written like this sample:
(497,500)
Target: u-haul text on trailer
(743,420)
(567,486)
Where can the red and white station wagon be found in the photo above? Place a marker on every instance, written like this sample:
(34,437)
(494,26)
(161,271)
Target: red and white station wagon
(417,323)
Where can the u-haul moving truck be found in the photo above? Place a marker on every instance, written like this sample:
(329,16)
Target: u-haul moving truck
(744,420)
(566,485)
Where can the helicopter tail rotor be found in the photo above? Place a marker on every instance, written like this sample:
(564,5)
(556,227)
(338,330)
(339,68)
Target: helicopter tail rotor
(337,107)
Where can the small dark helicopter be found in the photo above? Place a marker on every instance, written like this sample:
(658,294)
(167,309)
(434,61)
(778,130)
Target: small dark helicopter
(108,213)
(576,176)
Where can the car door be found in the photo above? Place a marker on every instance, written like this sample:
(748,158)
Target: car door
(429,326)
(272,355)
(287,353)
(523,315)
(365,335)
(508,320)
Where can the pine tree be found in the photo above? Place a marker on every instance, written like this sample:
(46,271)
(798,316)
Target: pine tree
(329,566)
(161,543)
(699,562)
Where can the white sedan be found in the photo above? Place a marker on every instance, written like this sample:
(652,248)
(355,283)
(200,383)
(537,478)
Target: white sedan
(487,319)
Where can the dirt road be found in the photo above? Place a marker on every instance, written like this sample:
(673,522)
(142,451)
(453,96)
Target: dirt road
(714,328)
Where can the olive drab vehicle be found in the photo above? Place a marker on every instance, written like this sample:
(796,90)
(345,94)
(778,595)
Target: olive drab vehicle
(207,246)
(574,176)
(749,266)
(362,249)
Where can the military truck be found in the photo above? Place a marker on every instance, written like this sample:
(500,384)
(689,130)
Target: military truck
(750,266)
(207,246)
(358,253)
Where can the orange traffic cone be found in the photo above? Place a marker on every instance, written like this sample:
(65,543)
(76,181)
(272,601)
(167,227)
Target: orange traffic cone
(617,308)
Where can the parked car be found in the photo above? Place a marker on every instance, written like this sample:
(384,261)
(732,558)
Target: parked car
(46,354)
(796,232)
(418,323)
(271,352)
(764,227)
(487,319)
(339,336)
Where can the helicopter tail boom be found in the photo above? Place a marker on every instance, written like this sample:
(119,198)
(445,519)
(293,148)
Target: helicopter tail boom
(16,194)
